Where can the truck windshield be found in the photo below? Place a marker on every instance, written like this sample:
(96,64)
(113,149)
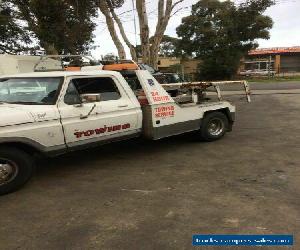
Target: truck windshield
(41,91)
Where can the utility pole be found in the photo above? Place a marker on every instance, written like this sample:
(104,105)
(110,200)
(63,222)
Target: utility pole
(134,21)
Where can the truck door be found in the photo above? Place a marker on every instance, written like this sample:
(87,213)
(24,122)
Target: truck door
(113,116)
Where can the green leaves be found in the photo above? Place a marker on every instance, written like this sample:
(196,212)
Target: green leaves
(169,46)
(58,26)
(221,33)
(13,37)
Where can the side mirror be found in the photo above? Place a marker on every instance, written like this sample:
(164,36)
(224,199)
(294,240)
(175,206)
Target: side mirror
(88,98)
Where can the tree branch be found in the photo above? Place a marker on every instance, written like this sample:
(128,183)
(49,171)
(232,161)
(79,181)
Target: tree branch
(161,12)
(176,3)
(175,12)
(162,21)
(144,29)
(104,8)
(124,36)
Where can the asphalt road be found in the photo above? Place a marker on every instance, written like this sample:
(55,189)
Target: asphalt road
(156,195)
(266,86)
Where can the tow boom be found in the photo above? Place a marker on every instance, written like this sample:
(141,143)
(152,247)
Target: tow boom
(202,87)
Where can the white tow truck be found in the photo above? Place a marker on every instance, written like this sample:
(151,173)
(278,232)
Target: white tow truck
(51,113)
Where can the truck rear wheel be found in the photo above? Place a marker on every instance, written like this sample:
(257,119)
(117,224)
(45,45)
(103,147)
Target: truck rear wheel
(214,126)
(16,168)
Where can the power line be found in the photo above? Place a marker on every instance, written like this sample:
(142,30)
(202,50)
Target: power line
(275,1)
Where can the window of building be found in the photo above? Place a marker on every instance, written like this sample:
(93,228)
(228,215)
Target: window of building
(252,66)
(263,66)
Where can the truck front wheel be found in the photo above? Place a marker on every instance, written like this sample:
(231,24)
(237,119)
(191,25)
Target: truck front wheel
(214,126)
(16,168)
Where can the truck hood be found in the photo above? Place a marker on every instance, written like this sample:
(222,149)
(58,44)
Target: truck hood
(14,115)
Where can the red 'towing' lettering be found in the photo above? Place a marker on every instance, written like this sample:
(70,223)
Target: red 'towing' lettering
(105,129)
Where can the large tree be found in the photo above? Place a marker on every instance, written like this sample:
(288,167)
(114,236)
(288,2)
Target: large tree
(60,26)
(13,37)
(150,46)
(221,33)
(150,50)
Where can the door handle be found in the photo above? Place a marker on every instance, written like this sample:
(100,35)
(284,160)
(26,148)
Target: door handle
(123,106)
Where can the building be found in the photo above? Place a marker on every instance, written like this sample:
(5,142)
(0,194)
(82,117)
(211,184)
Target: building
(167,64)
(185,67)
(281,60)
(191,67)
(15,64)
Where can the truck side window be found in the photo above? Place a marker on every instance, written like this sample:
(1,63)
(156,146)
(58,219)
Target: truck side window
(72,96)
(103,85)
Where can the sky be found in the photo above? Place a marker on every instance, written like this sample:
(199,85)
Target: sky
(285,31)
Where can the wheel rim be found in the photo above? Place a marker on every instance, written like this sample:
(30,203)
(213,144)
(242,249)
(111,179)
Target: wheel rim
(215,127)
(8,171)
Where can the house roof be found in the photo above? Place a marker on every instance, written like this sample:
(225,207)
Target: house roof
(277,50)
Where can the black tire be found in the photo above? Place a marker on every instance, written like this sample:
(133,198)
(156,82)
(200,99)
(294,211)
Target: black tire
(16,168)
(214,126)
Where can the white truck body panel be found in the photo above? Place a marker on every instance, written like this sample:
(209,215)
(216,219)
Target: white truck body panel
(163,105)
(166,116)
(125,110)
(40,124)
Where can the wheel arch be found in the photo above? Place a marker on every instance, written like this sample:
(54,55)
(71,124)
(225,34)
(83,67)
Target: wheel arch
(26,147)
(225,111)
(230,116)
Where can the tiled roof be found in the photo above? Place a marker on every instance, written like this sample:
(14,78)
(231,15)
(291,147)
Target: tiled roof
(277,50)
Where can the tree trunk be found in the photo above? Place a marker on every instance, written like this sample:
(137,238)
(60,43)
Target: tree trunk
(164,15)
(150,52)
(104,8)
(144,30)
(124,36)
(154,56)
(50,49)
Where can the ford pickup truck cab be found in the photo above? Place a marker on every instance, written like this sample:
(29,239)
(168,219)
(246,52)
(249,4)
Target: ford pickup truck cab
(51,113)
